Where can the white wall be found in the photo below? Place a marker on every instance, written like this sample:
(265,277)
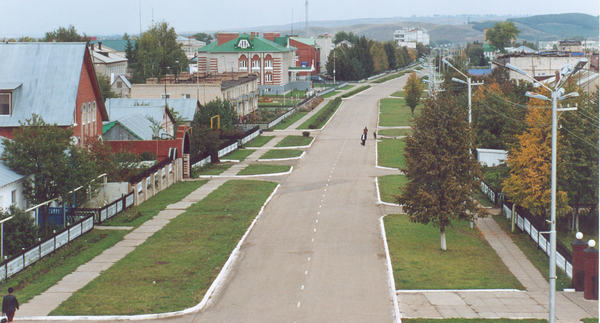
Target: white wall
(491,157)
(6,198)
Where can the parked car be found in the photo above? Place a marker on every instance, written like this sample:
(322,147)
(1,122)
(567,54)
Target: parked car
(317,79)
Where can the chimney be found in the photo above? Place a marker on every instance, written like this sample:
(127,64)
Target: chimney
(99,45)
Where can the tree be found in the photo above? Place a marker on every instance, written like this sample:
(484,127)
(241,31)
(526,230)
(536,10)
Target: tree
(19,232)
(390,52)
(342,35)
(55,164)
(156,54)
(440,169)
(207,38)
(502,35)
(105,88)
(412,92)
(530,162)
(422,50)
(118,166)
(65,35)
(223,109)
(380,59)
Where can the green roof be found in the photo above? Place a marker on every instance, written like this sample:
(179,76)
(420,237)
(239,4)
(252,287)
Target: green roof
(245,43)
(117,44)
(306,41)
(489,48)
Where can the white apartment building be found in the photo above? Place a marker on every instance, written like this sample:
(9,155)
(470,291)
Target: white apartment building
(409,37)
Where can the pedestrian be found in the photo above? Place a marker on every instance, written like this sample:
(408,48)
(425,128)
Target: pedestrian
(10,304)
(366,131)
(363,138)
(375,135)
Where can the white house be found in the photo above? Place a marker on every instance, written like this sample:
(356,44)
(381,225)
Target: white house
(11,186)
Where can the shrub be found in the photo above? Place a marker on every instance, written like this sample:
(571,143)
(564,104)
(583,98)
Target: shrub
(147,155)
(305,133)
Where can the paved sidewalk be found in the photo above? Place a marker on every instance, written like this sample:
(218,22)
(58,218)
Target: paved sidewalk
(44,303)
(533,303)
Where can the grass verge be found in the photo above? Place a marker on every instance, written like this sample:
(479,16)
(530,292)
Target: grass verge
(330,94)
(174,268)
(394,132)
(137,215)
(356,91)
(281,153)
(294,141)
(48,271)
(238,154)
(419,263)
(285,123)
(389,77)
(395,112)
(215,169)
(400,94)
(465,320)
(390,153)
(536,255)
(259,141)
(258,169)
(319,119)
(389,186)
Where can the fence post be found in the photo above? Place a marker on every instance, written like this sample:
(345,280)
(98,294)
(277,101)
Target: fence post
(145,188)
(512,219)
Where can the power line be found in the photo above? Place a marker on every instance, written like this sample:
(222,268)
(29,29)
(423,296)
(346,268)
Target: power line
(576,136)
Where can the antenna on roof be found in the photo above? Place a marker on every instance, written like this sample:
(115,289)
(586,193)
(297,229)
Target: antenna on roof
(292,22)
(306,18)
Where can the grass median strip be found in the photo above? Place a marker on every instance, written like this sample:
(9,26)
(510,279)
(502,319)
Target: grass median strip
(258,169)
(285,123)
(48,271)
(319,119)
(395,112)
(238,154)
(281,154)
(215,169)
(389,186)
(356,91)
(465,320)
(137,215)
(259,141)
(390,153)
(294,141)
(174,268)
(394,132)
(419,263)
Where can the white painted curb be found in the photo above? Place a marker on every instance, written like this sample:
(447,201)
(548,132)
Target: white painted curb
(215,285)
(283,159)
(245,176)
(417,291)
(379,201)
(390,272)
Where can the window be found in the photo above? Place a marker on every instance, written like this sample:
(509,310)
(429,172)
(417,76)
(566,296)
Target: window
(255,64)
(119,85)
(269,64)
(269,78)
(5,103)
(243,64)
(185,96)
(165,96)
(13,197)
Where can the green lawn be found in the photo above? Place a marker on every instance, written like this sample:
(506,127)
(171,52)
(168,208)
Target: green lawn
(259,141)
(330,94)
(48,271)
(281,153)
(137,215)
(419,263)
(347,87)
(173,269)
(483,200)
(294,141)
(319,119)
(238,154)
(389,77)
(285,123)
(258,169)
(356,91)
(536,255)
(400,94)
(390,153)
(215,169)
(464,320)
(389,186)
(394,132)
(395,112)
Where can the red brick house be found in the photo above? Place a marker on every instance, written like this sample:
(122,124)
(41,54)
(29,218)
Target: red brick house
(308,54)
(56,81)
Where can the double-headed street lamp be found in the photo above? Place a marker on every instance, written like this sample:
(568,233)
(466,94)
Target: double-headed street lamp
(468,83)
(556,94)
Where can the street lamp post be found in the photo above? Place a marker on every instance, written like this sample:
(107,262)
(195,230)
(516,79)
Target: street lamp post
(556,95)
(468,83)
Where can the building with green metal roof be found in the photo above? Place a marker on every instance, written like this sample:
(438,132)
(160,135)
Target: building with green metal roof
(271,61)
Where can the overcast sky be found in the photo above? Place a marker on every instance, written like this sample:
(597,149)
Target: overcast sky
(35,17)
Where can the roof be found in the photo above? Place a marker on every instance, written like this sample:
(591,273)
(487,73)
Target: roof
(185,107)
(257,44)
(306,41)
(110,59)
(524,49)
(7,175)
(124,79)
(137,124)
(155,112)
(489,48)
(117,44)
(49,74)
(226,84)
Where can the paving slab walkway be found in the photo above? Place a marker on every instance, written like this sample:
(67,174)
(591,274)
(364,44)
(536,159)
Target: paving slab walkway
(43,304)
(571,307)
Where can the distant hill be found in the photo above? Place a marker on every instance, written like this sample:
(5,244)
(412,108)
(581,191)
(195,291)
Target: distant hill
(552,27)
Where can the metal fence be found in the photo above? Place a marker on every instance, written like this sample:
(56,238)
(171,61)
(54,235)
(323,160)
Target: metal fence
(29,256)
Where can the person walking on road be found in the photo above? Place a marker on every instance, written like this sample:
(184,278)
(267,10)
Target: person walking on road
(375,135)
(363,138)
(10,305)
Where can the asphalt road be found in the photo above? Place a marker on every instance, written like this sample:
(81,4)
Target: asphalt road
(316,255)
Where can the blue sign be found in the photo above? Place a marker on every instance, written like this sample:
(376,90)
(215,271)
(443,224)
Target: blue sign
(304,64)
